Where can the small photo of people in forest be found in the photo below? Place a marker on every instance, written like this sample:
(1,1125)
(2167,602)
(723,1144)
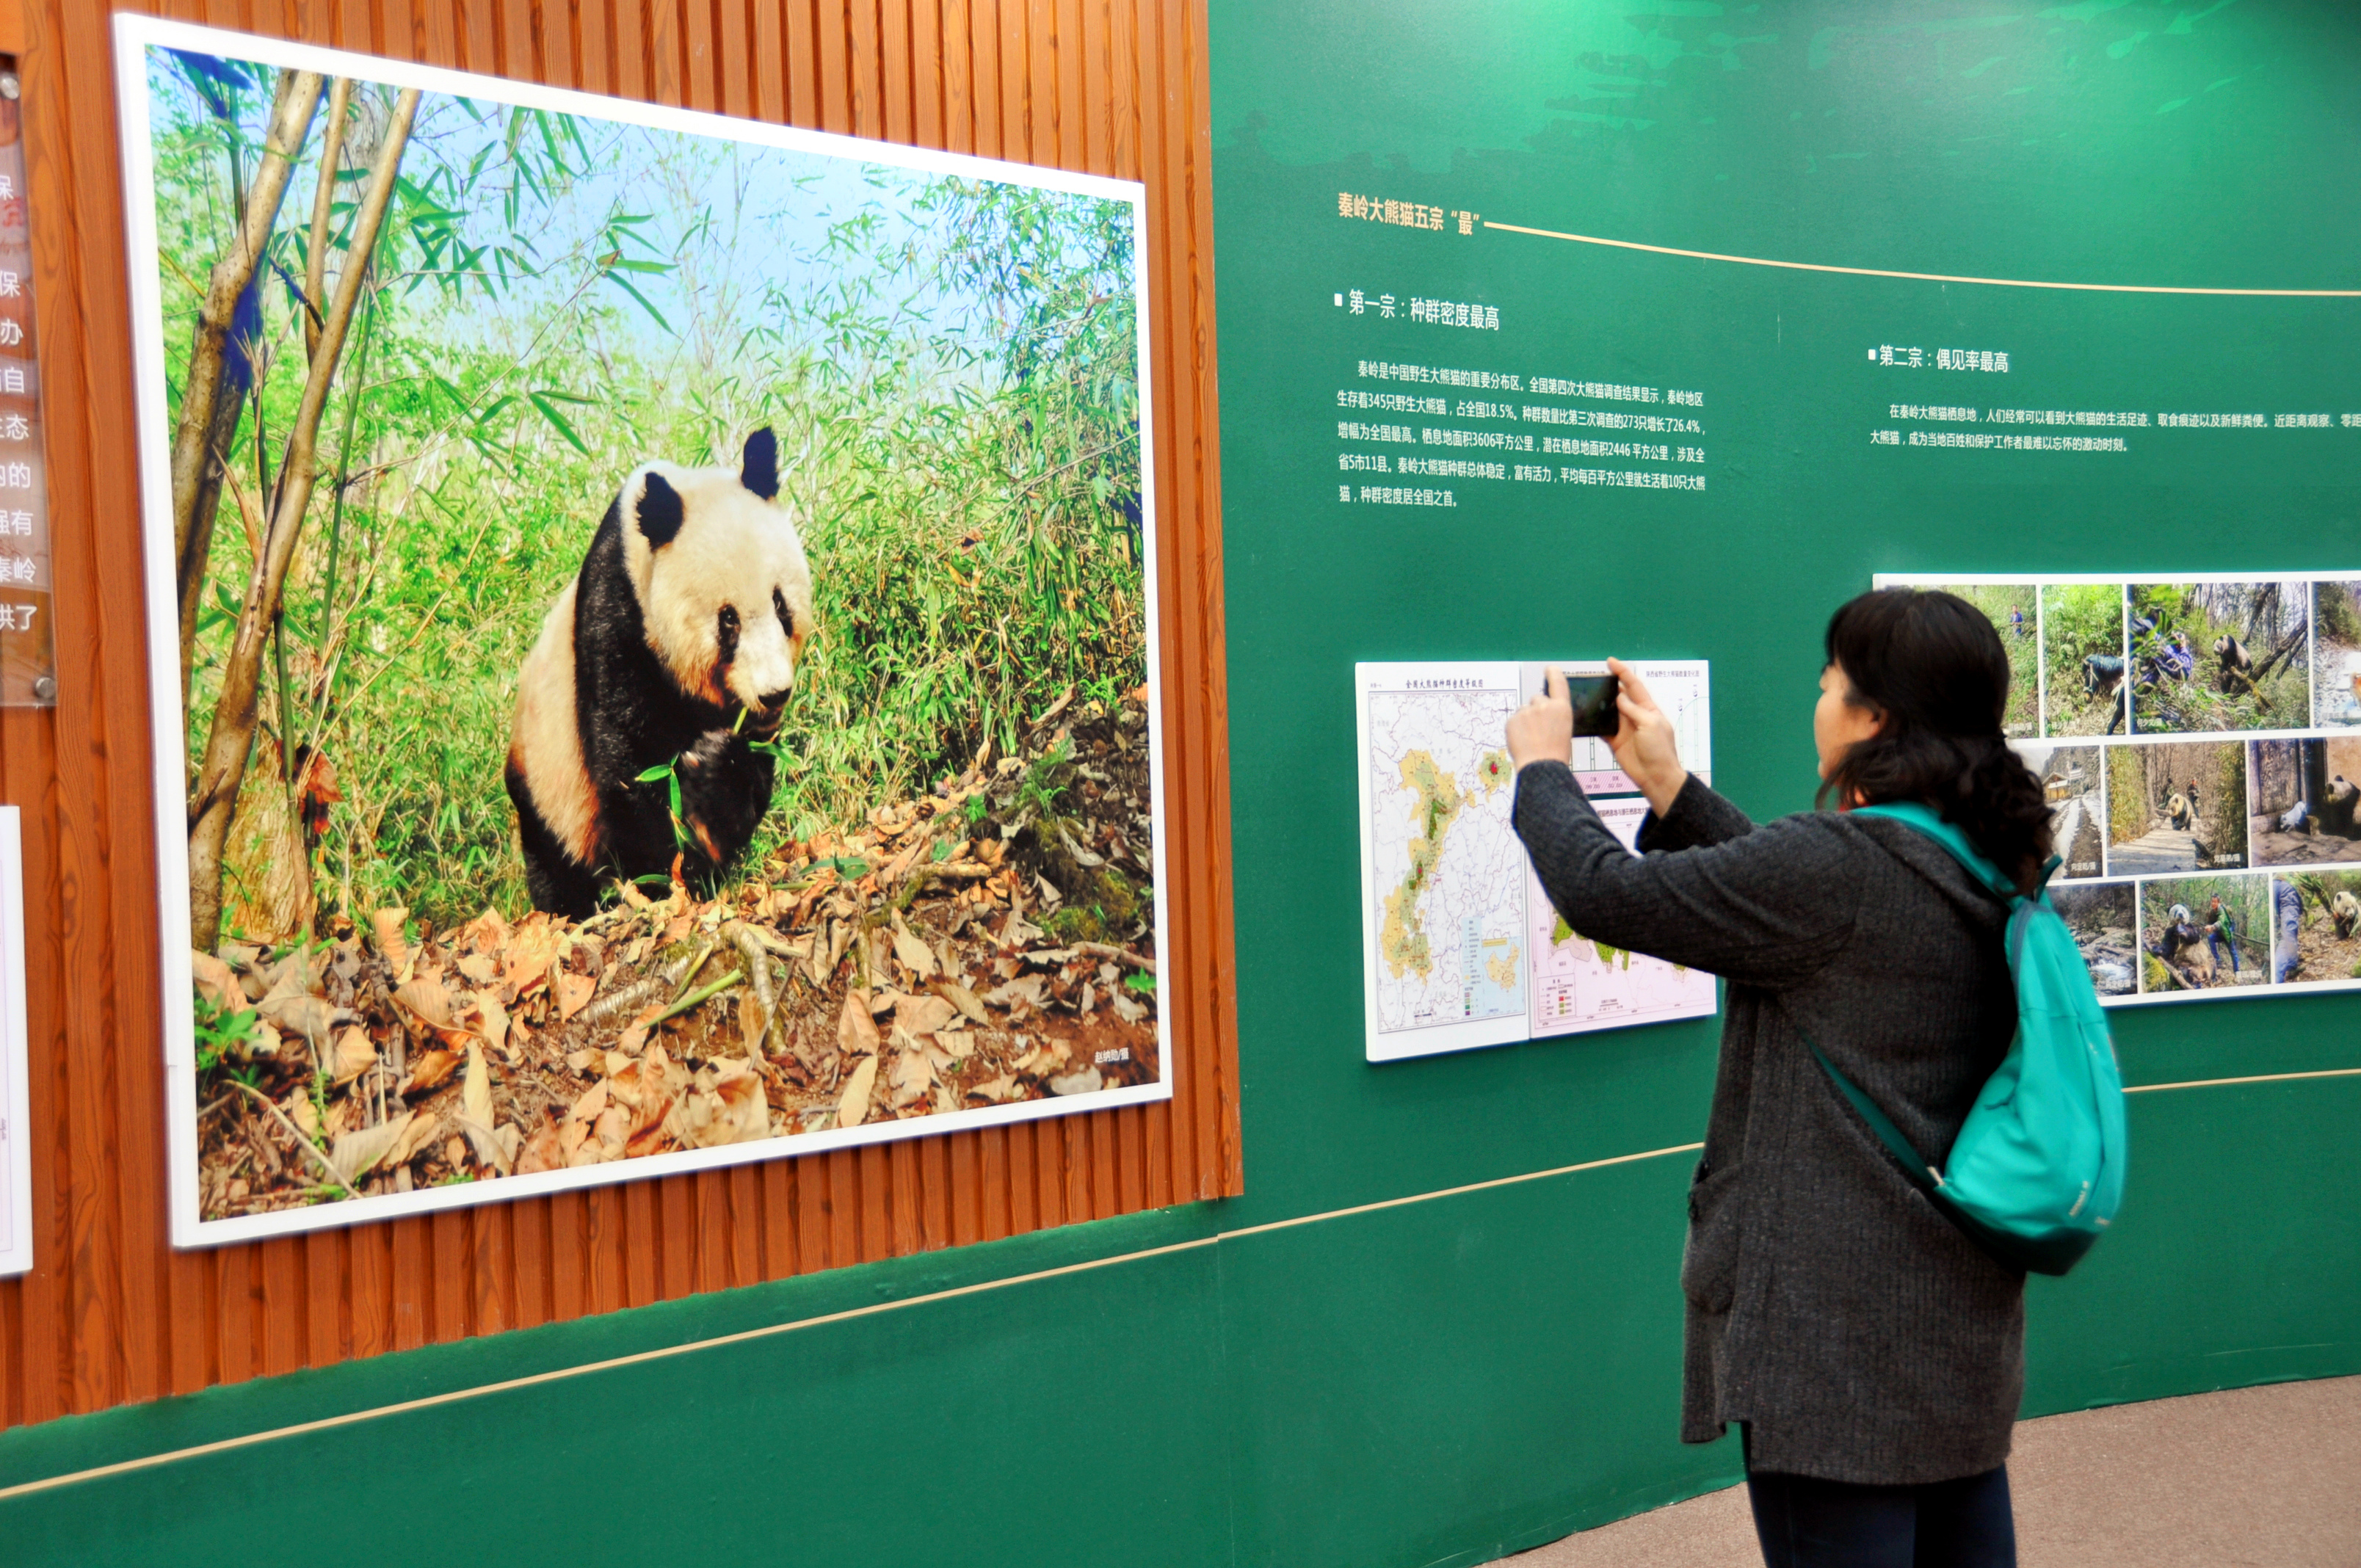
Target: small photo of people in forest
(2203,933)
(2219,656)
(663,630)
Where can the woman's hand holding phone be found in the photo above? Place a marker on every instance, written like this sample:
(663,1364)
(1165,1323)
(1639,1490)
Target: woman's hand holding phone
(1643,743)
(1542,731)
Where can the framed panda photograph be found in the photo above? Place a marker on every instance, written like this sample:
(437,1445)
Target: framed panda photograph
(652,627)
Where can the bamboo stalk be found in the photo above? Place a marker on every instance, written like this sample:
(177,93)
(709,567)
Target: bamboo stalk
(229,745)
(197,440)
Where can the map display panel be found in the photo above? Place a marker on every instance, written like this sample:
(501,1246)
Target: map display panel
(1442,866)
(1580,984)
(1461,947)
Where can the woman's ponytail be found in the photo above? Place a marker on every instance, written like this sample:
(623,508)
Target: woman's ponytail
(1931,666)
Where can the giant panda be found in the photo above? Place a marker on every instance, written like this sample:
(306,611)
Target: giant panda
(691,612)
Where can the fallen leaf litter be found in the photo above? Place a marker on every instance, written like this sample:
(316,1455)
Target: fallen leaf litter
(987,944)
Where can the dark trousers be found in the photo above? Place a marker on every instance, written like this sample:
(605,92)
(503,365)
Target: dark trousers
(1802,1523)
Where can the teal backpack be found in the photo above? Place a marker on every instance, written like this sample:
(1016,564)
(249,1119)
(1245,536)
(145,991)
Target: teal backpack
(2037,1170)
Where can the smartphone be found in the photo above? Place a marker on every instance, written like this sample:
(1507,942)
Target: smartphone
(1594,697)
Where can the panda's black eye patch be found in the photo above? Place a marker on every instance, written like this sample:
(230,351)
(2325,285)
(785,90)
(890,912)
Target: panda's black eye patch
(786,616)
(725,633)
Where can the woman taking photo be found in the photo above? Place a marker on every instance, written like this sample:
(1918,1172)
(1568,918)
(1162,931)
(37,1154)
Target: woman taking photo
(1871,1354)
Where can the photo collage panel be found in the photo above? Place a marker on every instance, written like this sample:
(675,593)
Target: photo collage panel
(2199,739)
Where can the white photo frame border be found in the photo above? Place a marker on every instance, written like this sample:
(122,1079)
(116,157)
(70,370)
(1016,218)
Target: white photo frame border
(134,36)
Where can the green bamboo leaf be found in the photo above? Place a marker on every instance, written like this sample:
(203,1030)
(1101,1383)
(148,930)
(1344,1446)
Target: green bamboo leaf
(549,412)
(661,770)
(645,304)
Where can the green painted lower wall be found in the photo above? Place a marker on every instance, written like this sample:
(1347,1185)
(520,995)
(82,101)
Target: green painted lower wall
(1434,1383)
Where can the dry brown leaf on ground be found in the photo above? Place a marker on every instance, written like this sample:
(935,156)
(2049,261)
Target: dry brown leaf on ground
(542,1152)
(355,1154)
(966,1001)
(612,1131)
(429,1001)
(493,1017)
(532,948)
(495,1147)
(573,993)
(960,1043)
(635,1034)
(291,1005)
(431,1070)
(924,1015)
(476,1088)
(423,1131)
(479,968)
(353,1055)
(1027,989)
(727,1107)
(592,1102)
(995,1089)
(303,1113)
(856,1031)
(386,926)
(914,953)
(913,1073)
(852,1105)
(217,982)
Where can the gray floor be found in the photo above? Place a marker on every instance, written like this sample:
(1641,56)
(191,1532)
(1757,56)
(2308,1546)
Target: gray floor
(2251,1478)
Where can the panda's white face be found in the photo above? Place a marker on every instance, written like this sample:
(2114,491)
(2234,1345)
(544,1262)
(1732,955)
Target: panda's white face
(722,583)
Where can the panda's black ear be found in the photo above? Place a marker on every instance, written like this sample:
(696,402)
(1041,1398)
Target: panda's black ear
(660,511)
(759,472)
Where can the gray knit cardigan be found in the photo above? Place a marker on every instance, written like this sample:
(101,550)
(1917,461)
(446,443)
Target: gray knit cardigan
(1857,1333)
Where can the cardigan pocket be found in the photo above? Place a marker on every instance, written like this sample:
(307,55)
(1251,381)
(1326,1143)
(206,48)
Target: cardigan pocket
(1710,1258)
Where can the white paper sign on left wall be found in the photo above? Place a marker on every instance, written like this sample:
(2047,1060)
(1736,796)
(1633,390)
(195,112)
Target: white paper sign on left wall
(15,1123)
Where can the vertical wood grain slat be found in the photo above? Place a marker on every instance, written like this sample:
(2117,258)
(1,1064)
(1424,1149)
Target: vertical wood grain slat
(700,85)
(326,1270)
(902,1196)
(493,1264)
(958,75)
(734,58)
(561,57)
(371,1290)
(568,1269)
(900,118)
(835,41)
(768,65)
(454,1282)
(709,1198)
(778,1198)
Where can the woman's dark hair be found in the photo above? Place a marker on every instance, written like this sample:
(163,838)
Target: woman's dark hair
(1932,665)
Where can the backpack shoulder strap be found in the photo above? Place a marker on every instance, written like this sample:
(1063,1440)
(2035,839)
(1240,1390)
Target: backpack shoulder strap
(1913,1165)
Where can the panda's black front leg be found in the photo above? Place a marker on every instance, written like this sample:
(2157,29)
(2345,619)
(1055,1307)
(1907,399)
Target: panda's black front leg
(725,789)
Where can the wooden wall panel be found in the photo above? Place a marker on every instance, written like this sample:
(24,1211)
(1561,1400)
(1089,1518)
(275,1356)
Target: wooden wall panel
(111,1313)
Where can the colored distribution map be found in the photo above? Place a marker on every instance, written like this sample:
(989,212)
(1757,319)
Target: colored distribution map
(1579,983)
(1461,945)
(1446,864)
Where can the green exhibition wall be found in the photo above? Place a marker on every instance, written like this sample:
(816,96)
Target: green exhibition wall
(1443,1381)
